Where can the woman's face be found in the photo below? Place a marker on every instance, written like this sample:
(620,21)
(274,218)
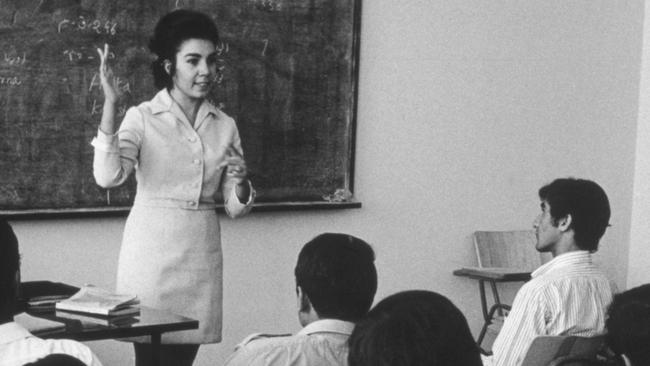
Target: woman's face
(196,68)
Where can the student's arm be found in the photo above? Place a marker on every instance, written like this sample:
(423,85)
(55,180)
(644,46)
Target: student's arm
(526,320)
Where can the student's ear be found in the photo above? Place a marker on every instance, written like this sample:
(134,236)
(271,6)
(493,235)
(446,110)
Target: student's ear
(564,224)
(304,305)
(168,67)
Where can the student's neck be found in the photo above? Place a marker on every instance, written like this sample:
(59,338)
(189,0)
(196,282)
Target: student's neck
(189,106)
(565,245)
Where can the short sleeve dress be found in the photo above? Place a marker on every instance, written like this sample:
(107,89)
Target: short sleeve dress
(171,247)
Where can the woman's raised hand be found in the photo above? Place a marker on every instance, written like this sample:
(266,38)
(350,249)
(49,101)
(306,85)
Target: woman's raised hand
(106,76)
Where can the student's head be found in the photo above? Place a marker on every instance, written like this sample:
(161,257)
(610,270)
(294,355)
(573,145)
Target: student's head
(628,325)
(57,359)
(9,265)
(413,328)
(171,34)
(578,205)
(336,277)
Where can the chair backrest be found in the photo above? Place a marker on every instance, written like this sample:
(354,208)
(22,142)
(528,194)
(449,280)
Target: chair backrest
(545,349)
(508,249)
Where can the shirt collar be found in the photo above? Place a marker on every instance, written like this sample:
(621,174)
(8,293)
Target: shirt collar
(12,331)
(563,260)
(163,102)
(328,326)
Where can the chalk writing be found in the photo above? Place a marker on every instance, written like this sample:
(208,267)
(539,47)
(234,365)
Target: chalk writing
(10,80)
(14,60)
(90,25)
(267,5)
(75,56)
(266,45)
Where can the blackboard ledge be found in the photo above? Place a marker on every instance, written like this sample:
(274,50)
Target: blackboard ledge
(81,213)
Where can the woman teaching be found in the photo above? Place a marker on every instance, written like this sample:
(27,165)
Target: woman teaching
(184,151)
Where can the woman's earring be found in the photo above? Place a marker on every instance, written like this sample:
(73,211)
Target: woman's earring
(167,66)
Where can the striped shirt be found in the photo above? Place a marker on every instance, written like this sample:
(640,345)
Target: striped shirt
(568,295)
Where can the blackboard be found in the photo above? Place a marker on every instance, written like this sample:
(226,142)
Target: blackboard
(289,78)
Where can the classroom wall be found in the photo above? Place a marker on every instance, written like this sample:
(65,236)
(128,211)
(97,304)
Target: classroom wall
(639,255)
(465,109)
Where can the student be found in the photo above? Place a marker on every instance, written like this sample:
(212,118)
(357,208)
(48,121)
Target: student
(17,345)
(184,151)
(568,295)
(336,281)
(413,328)
(628,326)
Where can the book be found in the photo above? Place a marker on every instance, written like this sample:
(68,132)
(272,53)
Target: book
(94,300)
(86,318)
(41,296)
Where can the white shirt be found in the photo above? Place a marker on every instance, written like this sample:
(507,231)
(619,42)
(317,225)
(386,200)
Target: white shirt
(568,295)
(320,343)
(18,347)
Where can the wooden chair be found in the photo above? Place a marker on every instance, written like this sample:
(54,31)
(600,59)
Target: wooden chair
(564,351)
(503,256)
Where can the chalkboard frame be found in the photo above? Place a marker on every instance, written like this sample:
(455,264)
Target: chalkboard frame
(347,203)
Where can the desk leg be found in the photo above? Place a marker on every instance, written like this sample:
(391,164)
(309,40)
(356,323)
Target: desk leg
(155,349)
(484,309)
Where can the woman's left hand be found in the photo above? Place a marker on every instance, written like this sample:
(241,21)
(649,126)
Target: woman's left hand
(235,165)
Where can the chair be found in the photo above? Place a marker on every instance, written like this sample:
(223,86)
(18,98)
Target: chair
(564,351)
(503,256)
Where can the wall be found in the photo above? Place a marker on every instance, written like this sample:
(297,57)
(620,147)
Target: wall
(639,257)
(465,109)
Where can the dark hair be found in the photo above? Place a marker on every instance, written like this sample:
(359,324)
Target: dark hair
(9,265)
(587,204)
(413,328)
(171,31)
(338,275)
(628,325)
(57,359)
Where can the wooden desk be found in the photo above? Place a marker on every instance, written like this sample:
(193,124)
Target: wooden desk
(150,322)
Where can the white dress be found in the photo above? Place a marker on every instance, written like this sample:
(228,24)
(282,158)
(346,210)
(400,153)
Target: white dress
(171,248)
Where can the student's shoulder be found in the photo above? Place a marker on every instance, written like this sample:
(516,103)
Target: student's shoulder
(256,348)
(264,339)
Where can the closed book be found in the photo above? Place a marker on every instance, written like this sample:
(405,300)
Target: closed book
(98,301)
(85,318)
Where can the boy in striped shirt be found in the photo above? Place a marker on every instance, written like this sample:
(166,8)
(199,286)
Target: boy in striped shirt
(568,295)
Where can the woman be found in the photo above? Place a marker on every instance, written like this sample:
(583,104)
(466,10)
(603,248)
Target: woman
(413,328)
(179,145)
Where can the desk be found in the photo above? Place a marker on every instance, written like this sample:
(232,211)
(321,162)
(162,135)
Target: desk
(150,322)
(492,275)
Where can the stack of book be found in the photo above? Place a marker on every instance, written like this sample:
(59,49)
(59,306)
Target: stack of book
(41,296)
(96,305)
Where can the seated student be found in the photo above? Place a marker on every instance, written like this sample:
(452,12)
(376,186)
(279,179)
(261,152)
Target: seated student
(568,295)
(336,281)
(413,328)
(17,345)
(628,326)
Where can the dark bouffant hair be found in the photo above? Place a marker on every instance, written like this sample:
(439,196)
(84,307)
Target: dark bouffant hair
(171,31)
(413,328)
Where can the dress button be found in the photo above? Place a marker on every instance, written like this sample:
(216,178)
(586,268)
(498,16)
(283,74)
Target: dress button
(196,161)
(191,139)
(191,203)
